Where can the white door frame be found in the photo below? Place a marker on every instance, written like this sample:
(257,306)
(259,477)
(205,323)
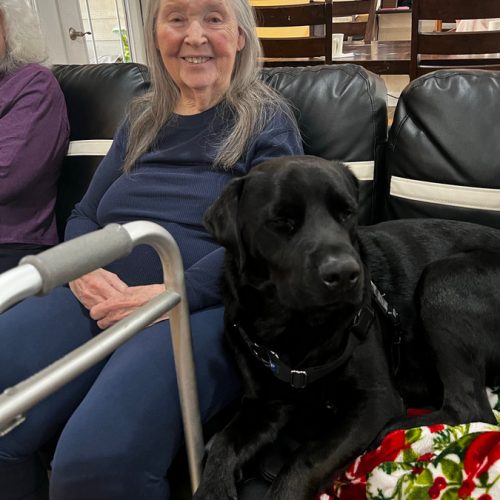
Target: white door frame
(136,30)
(57,16)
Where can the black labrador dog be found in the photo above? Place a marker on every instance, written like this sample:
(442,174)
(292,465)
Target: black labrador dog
(338,329)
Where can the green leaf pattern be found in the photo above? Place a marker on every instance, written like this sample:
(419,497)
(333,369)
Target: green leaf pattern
(430,466)
(414,480)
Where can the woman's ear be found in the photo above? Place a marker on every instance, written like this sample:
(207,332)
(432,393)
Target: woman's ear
(242,39)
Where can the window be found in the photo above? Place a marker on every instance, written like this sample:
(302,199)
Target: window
(107,22)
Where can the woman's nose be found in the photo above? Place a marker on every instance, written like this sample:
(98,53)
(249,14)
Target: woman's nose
(195,33)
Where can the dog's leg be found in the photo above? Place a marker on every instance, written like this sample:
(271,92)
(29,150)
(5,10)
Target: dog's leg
(313,465)
(256,424)
(459,307)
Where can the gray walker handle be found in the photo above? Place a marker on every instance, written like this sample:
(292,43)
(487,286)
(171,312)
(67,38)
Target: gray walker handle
(39,274)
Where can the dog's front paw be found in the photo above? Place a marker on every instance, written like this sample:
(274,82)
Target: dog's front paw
(216,489)
(290,487)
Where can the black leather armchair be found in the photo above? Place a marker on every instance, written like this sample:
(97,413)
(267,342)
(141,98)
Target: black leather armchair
(442,158)
(96,98)
(341,112)
(443,154)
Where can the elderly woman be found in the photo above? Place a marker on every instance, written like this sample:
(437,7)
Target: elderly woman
(207,119)
(34,134)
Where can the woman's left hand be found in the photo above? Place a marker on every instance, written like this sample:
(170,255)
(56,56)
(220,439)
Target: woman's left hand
(119,306)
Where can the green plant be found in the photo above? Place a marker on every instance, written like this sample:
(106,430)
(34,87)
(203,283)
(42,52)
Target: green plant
(125,44)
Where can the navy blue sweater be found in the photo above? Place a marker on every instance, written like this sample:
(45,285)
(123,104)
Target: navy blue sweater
(173,184)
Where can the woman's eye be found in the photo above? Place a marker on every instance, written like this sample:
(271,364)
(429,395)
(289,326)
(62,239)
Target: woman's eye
(175,19)
(214,19)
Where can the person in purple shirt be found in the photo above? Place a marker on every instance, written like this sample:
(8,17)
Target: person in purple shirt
(207,119)
(34,135)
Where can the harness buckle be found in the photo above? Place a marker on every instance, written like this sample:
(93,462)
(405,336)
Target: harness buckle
(298,379)
(267,357)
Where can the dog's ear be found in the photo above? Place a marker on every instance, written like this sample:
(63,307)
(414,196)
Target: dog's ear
(221,219)
(351,178)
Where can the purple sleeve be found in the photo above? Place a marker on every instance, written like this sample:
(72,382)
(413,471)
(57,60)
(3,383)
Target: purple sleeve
(34,131)
(280,138)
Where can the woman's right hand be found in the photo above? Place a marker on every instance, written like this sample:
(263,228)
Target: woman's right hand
(95,287)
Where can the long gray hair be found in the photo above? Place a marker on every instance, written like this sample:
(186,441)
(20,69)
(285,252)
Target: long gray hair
(252,101)
(25,42)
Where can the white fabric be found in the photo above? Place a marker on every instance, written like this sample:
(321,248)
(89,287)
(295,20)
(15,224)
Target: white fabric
(476,24)
(446,194)
(363,170)
(94,147)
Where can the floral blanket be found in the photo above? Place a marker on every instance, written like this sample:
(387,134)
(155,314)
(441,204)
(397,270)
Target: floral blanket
(438,462)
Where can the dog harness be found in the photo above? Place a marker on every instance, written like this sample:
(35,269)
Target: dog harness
(392,316)
(361,323)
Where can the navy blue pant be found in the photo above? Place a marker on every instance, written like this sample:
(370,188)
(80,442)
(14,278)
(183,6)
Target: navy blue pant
(121,423)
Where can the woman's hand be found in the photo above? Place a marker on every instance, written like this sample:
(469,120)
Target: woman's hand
(120,305)
(96,287)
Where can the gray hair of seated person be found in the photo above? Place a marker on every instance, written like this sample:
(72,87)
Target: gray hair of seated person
(252,101)
(25,42)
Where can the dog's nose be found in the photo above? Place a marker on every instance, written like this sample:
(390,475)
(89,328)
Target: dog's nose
(339,272)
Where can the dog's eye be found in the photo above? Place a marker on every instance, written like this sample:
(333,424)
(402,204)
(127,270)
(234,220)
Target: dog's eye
(282,225)
(344,215)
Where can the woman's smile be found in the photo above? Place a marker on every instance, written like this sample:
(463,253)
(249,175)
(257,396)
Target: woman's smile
(197,59)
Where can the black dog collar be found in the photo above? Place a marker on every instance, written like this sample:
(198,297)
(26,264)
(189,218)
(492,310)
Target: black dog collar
(360,325)
(300,378)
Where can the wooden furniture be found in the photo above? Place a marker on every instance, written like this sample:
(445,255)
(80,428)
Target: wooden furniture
(280,32)
(291,51)
(380,57)
(362,14)
(431,50)
(392,24)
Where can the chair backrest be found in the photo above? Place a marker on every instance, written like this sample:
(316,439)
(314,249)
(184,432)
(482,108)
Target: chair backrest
(96,98)
(443,154)
(297,51)
(342,115)
(431,50)
(357,27)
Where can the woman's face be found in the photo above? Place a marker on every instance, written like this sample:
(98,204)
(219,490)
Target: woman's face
(198,41)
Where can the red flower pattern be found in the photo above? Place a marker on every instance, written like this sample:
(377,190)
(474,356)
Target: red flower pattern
(436,428)
(480,456)
(482,453)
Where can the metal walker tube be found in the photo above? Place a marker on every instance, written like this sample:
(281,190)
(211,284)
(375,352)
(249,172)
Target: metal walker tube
(39,274)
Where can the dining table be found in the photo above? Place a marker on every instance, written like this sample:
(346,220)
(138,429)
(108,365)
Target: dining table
(380,57)
(383,57)
(387,57)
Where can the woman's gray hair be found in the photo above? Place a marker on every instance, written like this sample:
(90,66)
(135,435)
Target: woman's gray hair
(24,40)
(252,101)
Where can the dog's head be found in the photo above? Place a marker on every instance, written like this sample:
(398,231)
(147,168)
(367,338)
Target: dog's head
(292,222)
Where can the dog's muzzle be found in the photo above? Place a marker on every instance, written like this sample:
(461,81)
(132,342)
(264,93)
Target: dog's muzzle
(342,273)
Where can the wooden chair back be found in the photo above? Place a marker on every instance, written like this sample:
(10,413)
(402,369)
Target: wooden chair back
(431,50)
(361,29)
(297,51)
